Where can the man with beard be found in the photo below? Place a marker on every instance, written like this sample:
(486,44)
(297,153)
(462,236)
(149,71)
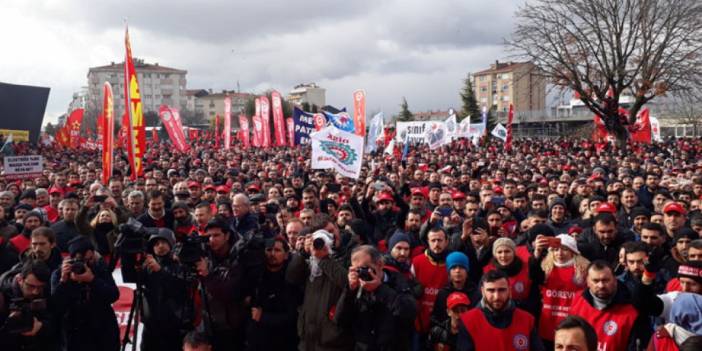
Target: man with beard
(635,255)
(384,219)
(309,199)
(67,228)
(274,303)
(430,271)
(496,323)
(42,248)
(21,243)
(606,241)
(203,214)
(182,221)
(168,300)
(344,215)
(156,216)
(398,256)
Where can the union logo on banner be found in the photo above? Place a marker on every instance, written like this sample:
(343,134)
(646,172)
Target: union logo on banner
(344,153)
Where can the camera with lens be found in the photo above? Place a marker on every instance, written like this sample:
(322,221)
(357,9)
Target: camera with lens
(364,273)
(22,312)
(318,243)
(191,250)
(77,265)
(130,246)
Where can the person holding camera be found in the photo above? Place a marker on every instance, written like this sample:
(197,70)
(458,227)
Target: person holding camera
(168,300)
(83,292)
(25,322)
(222,276)
(377,305)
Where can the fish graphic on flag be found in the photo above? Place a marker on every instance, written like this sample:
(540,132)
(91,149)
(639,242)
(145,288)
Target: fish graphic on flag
(341,120)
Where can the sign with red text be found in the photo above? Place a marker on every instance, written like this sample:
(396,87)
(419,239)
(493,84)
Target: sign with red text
(339,150)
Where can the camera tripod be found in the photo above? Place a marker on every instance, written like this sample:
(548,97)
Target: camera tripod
(134,317)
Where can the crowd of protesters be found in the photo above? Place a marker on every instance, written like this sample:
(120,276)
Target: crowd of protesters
(552,245)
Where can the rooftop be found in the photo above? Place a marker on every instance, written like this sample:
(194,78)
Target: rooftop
(500,67)
(139,64)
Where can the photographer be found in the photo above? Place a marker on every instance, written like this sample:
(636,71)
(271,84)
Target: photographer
(222,277)
(378,304)
(168,300)
(83,292)
(25,323)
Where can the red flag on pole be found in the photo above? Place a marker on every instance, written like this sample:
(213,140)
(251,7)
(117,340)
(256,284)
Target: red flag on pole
(217,129)
(75,119)
(107,128)
(244,131)
(278,119)
(291,131)
(227,122)
(136,138)
(510,119)
(170,118)
(359,111)
(257,131)
(154,135)
(641,130)
(265,122)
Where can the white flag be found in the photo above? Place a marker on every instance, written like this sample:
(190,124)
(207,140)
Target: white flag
(451,124)
(334,148)
(500,132)
(375,131)
(464,128)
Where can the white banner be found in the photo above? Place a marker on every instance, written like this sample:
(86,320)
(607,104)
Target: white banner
(22,167)
(500,132)
(655,129)
(451,124)
(334,148)
(437,135)
(415,131)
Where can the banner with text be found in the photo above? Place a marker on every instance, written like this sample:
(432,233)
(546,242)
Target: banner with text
(304,126)
(244,131)
(265,122)
(170,117)
(23,167)
(339,150)
(278,118)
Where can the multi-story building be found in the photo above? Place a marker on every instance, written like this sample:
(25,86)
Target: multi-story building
(307,93)
(193,101)
(157,84)
(516,83)
(438,115)
(213,104)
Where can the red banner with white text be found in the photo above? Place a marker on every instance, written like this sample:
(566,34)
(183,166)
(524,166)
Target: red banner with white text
(257,131)
(136,138)
(266,122)
(75,119)
(227,122)
(244,131)
(107,129)
(290,123)
(278,119)
(170,118)
(359,112)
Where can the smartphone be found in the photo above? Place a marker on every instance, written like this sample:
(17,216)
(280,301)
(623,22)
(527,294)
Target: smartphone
(554,242)
(444,211)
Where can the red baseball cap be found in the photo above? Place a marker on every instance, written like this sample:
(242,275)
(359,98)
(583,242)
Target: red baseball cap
(222,189)
(497,190)
(458,195)
(210,187)
(253,187)
(674,207)
(606,207)
(385,196)
(457,298)
(417,191)
(193,184)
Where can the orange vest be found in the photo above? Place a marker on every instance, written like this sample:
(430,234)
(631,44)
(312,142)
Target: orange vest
(488,338)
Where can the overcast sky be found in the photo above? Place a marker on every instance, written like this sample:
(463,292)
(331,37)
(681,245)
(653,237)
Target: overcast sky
(419,49)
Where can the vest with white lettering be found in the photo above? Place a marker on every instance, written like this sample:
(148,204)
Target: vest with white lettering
(433,276)
(519,284)
(613,325)
(557,295)
(489,338)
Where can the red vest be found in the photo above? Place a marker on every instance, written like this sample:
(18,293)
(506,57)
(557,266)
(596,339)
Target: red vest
(557,295)
(612,325)
(523,253)
(433,277)
(488,338)
(662,342)
(21,243)
(520,284)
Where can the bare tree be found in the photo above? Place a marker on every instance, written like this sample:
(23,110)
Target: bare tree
(602,49)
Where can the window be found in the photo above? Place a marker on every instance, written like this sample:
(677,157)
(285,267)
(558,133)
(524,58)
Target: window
(505,87)
(505,98)
(483,89)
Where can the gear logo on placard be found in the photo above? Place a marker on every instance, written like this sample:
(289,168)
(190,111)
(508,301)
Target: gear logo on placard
(344,153)
(520,342)
(519,287)
(610,327)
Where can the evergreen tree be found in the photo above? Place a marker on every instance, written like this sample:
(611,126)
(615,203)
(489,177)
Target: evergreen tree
(405,114)
(491,119)
(470,104)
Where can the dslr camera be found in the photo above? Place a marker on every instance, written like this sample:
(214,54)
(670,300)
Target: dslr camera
(77,266)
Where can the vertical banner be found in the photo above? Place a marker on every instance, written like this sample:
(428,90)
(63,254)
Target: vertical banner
(136,138)
(107,129)
(73,122)
(319,121)
(641,131)
(123,132)
(244,130)
(99,131)
(265,121)
(376,128)
(359,112)
(257,131)
(278,118)
(216,128)
(290,125)
(304,126)
(171,121)
(227,122)
(510,119)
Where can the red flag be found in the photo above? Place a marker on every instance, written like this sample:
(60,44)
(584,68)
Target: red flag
(510,118)
(265,122)
(389,135)
(359,112)
(154,135)
(192,134)
(136,138)
(217,129)
(227,122)
(257,131)
(75,119)
(63,136)
(107,128)
(170,118)
(278,118)
(99,128)
(600,134)
(641,130)
(123,132)
(291,131)
(244,131)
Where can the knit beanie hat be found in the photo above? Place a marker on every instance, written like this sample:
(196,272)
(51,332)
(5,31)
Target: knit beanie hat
(457,259)
(685,232)
(503,242)
(692,270)
(396,238)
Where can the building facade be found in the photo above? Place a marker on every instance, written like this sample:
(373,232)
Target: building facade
(157,84)
(213,104)
(516,83)
(307,93)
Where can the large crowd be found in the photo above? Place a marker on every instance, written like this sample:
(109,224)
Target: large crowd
(552,245)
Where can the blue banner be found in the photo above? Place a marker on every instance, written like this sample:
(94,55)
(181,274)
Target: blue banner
(304,126)
(341,120)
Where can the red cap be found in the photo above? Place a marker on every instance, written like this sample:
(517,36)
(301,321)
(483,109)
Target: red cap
(385,196)
(497,190)
(595,177)
(222,189)
(458,195)
(193,184)
(457,298)
(254,187)
(606,207)
(209,187)
(417,191)
(55,190)
(674,207)
(575,229)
